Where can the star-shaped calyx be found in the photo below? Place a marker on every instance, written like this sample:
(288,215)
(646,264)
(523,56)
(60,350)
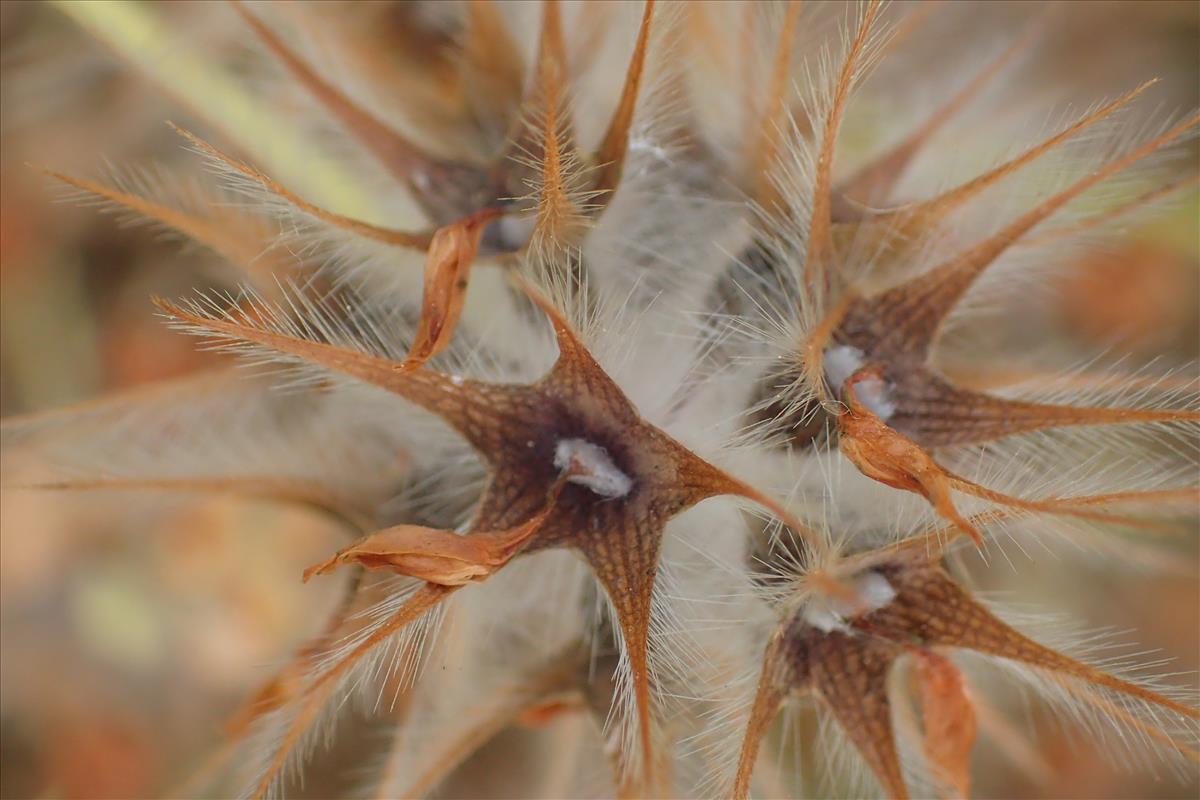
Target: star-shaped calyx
(471,201)
(894,331)
(872,355)
(840,648)
(490,90)
(572,464)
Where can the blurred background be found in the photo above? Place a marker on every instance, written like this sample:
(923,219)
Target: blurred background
(132,631)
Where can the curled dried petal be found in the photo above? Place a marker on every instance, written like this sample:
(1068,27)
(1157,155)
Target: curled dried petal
(949,720)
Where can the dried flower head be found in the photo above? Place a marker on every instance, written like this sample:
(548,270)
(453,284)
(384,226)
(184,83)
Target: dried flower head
(651,387)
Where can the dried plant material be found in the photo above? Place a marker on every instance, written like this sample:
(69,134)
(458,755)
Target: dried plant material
(820,225)
(894,332)
(909,317)
(884,455)
(942,205)
(555,556)
(447,271)
(611,153)
(317,690)
(440,557)
(875,181)
(357,227)
(948,719)
(559,217)
(845,666)
(968,417)
(408,163)
(241,239)
(444,558)
(576,400)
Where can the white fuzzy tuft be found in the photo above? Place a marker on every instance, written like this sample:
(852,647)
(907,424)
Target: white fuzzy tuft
(875,394)
(597,471)
(840,363)
(872,592)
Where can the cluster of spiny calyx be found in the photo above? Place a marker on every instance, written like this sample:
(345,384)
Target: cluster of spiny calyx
(868,358)
(480,204)
(841,643)
(572,465)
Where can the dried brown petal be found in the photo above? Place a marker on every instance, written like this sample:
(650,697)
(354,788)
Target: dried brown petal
(884,455)
(447,272)
(949,720)
(437,556)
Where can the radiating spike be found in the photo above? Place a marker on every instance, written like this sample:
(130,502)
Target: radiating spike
(407,163)
(625,563)
(884,454)
(820,226)
(1116,212)
(319,689)
(929,601)
(610,157)
(934,413)
(358,227)
(850,676)
(874,182)
(558,217)
(920,306)
(1053,505)
(765,148)
(768,699)
(458,401)
(927,212)
(933,544)
(245,248)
